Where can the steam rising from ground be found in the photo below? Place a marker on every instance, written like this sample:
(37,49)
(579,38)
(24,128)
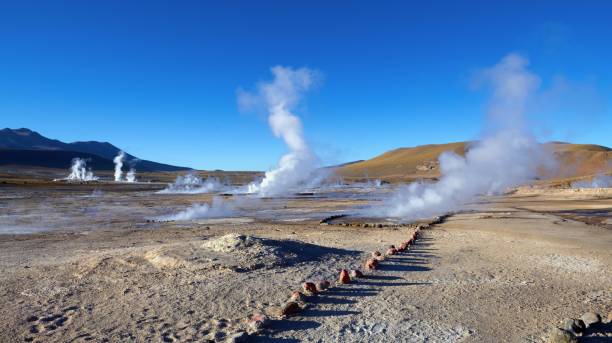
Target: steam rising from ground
(507,155)
(217,209)
(118,160)
(600,181)
(131,175)
(193,184)
(280,97)
(79,171)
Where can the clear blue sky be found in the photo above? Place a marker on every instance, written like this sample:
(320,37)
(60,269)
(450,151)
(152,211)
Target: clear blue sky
(159,79)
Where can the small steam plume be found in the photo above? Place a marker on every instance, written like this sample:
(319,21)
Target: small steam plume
(217,209)
(599,181)
(193,184)
(131,175)
(118,160)
(79,171)
(506,156)
(280,96)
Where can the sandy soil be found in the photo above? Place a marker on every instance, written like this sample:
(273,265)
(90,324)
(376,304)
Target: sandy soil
(504,270)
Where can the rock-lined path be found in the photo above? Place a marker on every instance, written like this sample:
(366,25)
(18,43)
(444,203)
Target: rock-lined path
(501,274)
(373,308)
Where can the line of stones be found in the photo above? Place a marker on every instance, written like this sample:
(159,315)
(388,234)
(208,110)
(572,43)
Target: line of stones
(298,299)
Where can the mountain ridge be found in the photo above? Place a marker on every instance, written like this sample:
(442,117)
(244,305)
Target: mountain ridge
(40,151)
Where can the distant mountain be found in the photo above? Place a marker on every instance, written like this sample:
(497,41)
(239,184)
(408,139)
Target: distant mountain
(421,162)
(27,147)
(52,159)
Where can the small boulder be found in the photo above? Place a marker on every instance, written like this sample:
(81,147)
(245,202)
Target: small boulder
(344,277)
(391,251)
(297,296)
(561,336)
(309,288)
(591,319)
(371,264)
(290,308)
(322,285)
(375,254)
(257,322)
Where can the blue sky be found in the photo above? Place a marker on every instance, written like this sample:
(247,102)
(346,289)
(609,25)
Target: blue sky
(159,79)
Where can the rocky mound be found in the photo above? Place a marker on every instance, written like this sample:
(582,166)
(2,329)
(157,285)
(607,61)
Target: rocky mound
(262,252)
(230,243)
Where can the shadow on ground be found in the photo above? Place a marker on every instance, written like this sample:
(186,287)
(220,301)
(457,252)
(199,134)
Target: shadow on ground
(414,260)
(604,329)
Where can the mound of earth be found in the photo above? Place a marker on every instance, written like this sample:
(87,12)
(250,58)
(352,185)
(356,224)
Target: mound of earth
(230,243)
(263,252)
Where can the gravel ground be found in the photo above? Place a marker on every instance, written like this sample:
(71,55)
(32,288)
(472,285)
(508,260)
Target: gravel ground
(504,270)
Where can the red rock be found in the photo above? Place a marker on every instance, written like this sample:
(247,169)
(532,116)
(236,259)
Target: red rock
(356,273)
(260,317)
(371,264)
(290,308)
(257,322)
(309,288)
(344,276)
(375,254)
(403,247)
(322,285)
(297,296)
(391,251)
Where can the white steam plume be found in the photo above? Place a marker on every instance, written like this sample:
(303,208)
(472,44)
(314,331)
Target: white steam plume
(281,96)
(193,184)
(506,156)
(79,171)
(131,175)
(218,208)
(118,160)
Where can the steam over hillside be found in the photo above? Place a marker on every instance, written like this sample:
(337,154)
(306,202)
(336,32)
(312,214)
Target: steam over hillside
(405,164)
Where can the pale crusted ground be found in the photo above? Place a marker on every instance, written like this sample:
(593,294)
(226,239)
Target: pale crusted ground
(504,270)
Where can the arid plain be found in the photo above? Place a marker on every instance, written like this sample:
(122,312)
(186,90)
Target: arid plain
(92,262)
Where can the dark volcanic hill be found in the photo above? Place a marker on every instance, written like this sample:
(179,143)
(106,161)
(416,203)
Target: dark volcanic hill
(29,148)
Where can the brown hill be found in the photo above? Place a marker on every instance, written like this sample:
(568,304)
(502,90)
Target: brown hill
(576,160)
(406,164)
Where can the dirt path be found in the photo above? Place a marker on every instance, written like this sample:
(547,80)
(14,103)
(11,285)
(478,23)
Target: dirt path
(498,275)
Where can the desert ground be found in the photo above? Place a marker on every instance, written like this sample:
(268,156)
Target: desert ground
(92,262)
